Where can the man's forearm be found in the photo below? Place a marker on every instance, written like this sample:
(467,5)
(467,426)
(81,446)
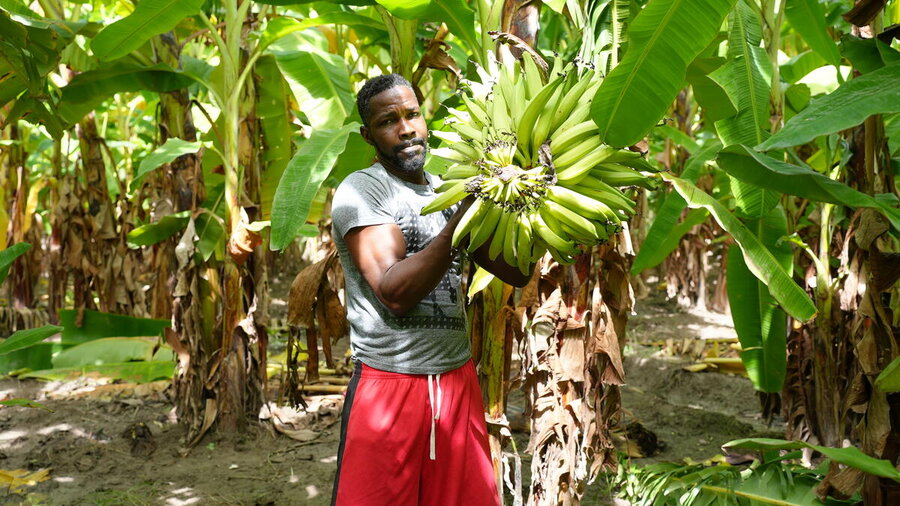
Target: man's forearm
(408,281)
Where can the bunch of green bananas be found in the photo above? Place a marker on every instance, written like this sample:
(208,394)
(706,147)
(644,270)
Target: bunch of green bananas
(527,149)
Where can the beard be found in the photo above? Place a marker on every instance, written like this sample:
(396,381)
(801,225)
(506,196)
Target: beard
(409,165)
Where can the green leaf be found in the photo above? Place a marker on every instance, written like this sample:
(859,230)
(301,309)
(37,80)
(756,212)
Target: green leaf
(150,18)
(799,66)
(153,233)
(89,89)
(210,229)
(759,260)
(284,25)
(764,171)
(760,325)
(137,372)
(406,9)
(889,379)
(745,77)
(273,110)
(663,40)
(9,255)
(320,84)
(808,19)
(850,456)
(664,235)
(28,337)
(107,350)
(302,179)
(867,55)
(172,149)
(27,403)
(854,101)
(712,98)
(95,325)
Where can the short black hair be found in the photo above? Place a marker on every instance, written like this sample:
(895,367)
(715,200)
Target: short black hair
(373,87)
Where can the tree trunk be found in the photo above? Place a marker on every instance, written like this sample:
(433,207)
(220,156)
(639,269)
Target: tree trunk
(573,370)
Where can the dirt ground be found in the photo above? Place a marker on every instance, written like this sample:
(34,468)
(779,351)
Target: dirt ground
(87,441)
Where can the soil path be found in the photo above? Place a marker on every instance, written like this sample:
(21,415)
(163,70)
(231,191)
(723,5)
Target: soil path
(87,442)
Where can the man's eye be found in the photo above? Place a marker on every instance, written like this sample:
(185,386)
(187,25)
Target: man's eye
(414,114)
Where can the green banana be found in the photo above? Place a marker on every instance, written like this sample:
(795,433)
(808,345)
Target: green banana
(510,240)
(460,171)
(553,241)
(499,236)
(578,224)
(483,231)
(532,113)
(581,204)
(577,152)
(585,164)
(472,215)
(561,140)
(447,197)
(524,243)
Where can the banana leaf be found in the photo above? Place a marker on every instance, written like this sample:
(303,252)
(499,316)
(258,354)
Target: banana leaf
(150,18)
(320,83)
(9,255)
(664,39)
(760,325)
(89,89)
(745,77)
(273,110)
(95,325)
(664,235)
(756,168)
(808,19)
(301,181)
(800,65)
(714,101)
(406,9)
(170,150)
(138,372)
(874,93)
(284,25)
(107,350)
(759,260)
(850,456)
(867,55)
(152,233)
(25,338)
(889,379)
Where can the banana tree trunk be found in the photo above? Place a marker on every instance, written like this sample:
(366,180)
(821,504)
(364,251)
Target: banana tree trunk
(23,272)
(233,371)
(492,334)
(573,370)
(830,394)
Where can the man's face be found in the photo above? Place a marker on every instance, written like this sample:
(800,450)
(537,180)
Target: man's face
(397,129)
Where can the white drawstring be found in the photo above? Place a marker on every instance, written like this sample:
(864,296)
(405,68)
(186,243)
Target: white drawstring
(435,414)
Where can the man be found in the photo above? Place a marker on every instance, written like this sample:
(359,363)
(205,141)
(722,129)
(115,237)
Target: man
(413,430)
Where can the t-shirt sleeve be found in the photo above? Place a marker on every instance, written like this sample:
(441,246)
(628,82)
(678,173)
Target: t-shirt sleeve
(360,201)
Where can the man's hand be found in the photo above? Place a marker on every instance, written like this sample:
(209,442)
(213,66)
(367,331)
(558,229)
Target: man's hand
(401,282)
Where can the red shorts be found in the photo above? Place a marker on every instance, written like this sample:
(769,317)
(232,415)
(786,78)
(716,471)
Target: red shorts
(391,454)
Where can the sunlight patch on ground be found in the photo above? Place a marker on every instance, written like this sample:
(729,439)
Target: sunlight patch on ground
(329,460)
(181,497)
(311,491)
(64,479)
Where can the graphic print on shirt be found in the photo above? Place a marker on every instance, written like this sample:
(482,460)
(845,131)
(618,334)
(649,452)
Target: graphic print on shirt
(440,308)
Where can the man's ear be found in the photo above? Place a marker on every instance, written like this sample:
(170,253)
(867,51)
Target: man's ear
(364,131)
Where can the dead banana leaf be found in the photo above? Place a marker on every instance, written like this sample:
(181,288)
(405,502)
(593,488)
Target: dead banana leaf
(16,479)
(243,240)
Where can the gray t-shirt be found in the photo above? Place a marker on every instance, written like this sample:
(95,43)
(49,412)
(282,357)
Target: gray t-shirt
(431,338)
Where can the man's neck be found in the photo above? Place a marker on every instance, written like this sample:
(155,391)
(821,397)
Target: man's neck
(417,177)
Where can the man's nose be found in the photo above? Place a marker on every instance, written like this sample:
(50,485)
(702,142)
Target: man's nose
(407,129)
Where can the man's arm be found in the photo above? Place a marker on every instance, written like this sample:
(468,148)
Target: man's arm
(400,282)
(498,267)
